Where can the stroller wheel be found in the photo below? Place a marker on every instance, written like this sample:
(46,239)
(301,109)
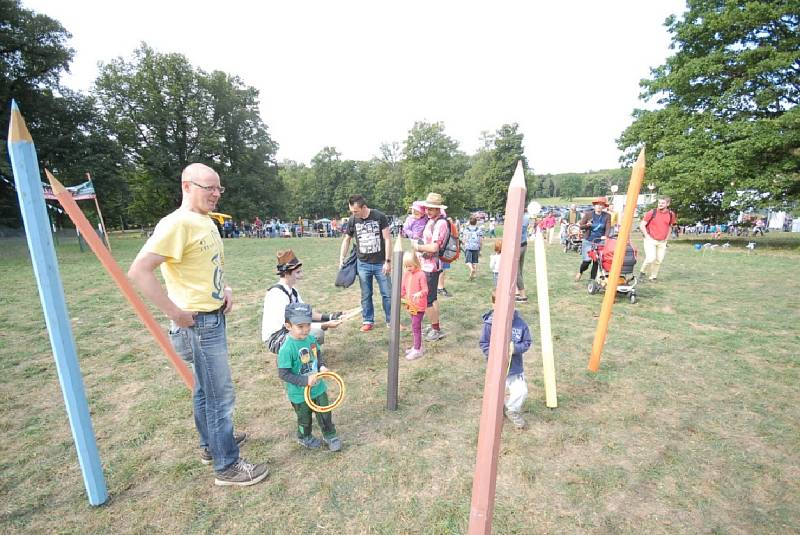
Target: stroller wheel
(632,298)
(593,287)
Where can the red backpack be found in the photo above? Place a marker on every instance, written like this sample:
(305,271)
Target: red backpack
(451,246)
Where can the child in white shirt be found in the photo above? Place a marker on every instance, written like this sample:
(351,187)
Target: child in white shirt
(494,260)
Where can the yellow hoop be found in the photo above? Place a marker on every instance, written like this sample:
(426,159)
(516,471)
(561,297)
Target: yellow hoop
(326,408)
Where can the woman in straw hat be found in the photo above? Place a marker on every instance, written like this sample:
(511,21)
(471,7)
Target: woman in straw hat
(432,239)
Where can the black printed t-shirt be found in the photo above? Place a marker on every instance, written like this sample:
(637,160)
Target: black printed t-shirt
(368,235)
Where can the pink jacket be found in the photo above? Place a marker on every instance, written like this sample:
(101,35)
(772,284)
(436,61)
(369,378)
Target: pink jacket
(413,282)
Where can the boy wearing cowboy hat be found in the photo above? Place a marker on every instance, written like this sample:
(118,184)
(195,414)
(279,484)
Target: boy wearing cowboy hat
(278,296)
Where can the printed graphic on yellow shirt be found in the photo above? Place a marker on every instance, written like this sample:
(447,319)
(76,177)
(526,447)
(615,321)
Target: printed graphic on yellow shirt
(218,276)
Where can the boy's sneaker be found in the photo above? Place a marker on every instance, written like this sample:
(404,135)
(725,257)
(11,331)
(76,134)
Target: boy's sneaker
(241,474)
(205,455)
(435,335)
(414,354)
(366,327)
(334,443)
(427,330)
(310,442)
(516,419)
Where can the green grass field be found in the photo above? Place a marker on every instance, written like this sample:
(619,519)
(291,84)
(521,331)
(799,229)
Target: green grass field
(691,425)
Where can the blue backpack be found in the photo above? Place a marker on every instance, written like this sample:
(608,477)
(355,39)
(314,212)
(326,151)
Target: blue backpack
(472,238)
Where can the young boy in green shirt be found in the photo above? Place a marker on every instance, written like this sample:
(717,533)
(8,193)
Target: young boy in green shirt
(299,361)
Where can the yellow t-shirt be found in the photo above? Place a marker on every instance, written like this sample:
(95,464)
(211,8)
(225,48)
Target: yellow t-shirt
(195,261)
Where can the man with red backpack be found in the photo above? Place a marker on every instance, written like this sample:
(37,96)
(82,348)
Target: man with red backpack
(429,248)
(655,226)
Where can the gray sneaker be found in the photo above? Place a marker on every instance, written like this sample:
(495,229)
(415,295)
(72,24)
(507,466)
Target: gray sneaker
(241,474)
(334,443)
(434,335)
(311,442)
(205,455)
(516,419)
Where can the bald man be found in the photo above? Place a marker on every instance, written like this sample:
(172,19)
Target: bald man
(187,247)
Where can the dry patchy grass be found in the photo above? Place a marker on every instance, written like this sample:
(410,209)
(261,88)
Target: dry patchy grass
(691,425)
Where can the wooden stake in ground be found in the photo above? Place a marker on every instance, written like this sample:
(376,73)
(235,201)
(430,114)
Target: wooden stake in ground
(394,326)
(51,292)
(542,295)
(637,175)
(485,480)
(100,213)
(113,269)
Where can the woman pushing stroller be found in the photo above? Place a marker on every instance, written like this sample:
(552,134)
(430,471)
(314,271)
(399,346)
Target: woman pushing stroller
(596,226)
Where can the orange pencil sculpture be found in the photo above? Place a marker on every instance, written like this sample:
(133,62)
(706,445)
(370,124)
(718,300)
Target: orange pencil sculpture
(637,175)
(484,482)
(85,227)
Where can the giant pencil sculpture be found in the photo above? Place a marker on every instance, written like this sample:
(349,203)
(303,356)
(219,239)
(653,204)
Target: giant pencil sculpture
(637,175)
(51,293)
(485,479)
(394,326)
(80,221)
(543,297)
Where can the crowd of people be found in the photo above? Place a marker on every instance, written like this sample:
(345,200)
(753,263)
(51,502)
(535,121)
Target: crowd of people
(196,297)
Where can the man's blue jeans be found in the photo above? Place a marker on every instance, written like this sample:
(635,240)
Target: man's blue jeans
(365,274)
(205,346)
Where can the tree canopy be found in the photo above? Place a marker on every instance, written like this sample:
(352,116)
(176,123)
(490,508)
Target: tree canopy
(727,132)
(69,138)
(166,114)
(149,115)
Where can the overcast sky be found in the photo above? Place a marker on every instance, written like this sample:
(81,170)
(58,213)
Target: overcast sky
(355,74)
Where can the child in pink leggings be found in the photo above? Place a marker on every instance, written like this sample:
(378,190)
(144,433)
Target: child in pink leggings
(415,294)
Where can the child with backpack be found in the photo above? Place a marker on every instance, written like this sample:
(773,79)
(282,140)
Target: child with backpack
(472,237)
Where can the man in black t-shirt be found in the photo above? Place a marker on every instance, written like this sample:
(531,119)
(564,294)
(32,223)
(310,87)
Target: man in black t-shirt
(370,228)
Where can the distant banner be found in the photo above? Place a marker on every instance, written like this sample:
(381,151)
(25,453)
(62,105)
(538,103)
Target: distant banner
(81,192)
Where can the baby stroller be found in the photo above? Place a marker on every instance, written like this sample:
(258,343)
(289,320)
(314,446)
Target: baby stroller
(573,241)
(603,254)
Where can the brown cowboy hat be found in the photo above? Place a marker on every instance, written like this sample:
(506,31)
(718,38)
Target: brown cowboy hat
(600,200)
(433,200)
(287,261)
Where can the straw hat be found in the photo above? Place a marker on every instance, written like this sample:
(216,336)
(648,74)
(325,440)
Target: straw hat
(600,200)
(433,200)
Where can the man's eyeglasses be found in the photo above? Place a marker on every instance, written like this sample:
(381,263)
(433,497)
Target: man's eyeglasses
(220,189)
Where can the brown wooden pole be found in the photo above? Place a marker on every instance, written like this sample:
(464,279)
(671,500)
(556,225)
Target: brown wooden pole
(100,214)
(491,424)
(394,326)
(637,175)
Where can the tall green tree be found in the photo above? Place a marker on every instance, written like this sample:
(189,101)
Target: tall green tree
(433,162)
(507,150)
(167,114)
(65,126)
(298,179)
(728,121)
(386,173)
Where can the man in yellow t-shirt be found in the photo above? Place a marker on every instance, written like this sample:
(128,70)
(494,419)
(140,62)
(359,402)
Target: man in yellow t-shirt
(186,245)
